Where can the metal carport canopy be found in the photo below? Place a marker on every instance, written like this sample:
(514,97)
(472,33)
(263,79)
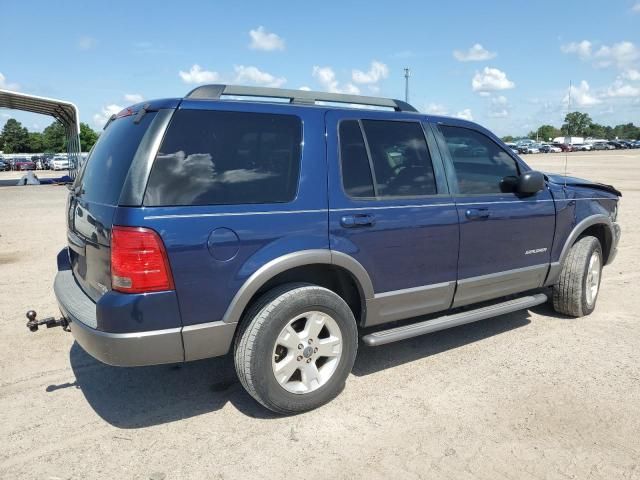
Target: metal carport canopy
(65,112)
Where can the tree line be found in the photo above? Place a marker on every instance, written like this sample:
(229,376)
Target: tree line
(15,138)
(578,124)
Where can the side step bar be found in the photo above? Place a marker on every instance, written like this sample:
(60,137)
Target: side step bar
(448,321)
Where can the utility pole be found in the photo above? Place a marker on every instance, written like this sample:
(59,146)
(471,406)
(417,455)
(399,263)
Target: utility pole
(407,74)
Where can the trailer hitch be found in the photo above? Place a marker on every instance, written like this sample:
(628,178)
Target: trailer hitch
(50,322)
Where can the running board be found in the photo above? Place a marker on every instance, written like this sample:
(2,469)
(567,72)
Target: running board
(448,321)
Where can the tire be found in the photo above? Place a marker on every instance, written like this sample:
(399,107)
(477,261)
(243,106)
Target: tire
(259,348)
(570,293)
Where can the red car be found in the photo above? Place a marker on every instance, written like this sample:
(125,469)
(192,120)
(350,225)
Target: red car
(23,164)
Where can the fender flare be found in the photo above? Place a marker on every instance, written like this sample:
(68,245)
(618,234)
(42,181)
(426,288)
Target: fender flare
(598,219)
(291,260)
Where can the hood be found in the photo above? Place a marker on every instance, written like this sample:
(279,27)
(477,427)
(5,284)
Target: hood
(581,182)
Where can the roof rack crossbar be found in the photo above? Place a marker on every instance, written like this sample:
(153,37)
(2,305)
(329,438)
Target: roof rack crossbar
(305,97)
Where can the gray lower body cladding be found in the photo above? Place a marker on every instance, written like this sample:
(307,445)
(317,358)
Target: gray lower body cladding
(136,348)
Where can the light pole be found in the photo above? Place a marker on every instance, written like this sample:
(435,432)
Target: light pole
(407,74)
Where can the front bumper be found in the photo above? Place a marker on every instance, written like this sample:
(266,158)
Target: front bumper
(617,232)
(132,349)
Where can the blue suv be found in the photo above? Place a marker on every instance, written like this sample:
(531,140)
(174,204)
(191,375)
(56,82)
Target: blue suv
(282,231)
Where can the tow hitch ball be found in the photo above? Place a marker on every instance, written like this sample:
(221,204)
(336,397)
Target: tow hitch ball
(50,322)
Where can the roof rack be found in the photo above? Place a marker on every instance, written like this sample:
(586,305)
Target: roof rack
(304,97)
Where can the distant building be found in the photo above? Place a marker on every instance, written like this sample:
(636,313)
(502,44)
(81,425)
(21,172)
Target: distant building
(569,140)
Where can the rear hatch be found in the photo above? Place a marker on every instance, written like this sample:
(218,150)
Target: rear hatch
(94,198)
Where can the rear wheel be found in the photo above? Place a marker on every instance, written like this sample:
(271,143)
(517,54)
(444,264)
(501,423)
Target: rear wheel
(296,348)
(577,288)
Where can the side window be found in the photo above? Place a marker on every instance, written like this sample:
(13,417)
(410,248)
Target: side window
(356,172)
(217,158)
(479,162)
(400,158)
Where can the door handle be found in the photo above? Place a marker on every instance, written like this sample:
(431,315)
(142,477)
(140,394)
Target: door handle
(355,221)
(477,213)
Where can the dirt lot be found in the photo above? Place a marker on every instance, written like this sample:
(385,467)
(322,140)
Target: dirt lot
(522,396)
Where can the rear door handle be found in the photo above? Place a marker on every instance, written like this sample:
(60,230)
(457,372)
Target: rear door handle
(477,213)
(356,221)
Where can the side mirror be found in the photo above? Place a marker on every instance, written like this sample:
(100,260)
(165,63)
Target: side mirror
(530,183)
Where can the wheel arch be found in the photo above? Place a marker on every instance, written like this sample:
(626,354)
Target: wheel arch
(336,271)
(599,226)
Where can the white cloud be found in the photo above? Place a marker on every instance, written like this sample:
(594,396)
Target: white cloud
(327,78)
(465,114)
(263,40)
(133,97)
(100,119)
(631,74)
(620,89)
(491,79)
(436,109)
(251,74)
(376,72)
(581,95)
(86,43)
(636,8)
(197,75)
(499,107)
(305,88)
(476,53)
(582,49)
(6,85)
(622,55)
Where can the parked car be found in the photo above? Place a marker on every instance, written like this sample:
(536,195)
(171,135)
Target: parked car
(59,163)
(513,147)
(533,148)
(602,146)
(4,166)
(582,147)
(285,244)
(23,163)
(615,144)
(564,147)
(548,148)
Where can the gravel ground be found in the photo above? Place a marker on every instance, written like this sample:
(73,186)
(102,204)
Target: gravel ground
(522,396)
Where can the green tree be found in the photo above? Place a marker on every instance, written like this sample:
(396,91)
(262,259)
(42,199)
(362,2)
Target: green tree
(35,142)
(14,137)
(87,137)
(545,132)
(576,124)
(54,138)
(508,139)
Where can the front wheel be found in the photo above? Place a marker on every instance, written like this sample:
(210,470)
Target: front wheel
(296,348)
(576,291)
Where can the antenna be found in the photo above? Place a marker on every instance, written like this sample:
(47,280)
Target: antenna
(566,153)
(407,74)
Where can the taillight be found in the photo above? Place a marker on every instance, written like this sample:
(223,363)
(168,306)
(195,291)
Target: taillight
(139,261)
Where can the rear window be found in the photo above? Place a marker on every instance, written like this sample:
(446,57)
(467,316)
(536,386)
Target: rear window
(107,166)
(217,158)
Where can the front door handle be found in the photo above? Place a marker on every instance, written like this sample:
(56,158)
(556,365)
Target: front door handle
(477,213)
(356,221)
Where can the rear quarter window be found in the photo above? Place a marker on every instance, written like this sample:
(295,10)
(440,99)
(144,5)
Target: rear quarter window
(218,158)
(106,170)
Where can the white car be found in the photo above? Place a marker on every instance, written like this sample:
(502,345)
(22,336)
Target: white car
(60,163)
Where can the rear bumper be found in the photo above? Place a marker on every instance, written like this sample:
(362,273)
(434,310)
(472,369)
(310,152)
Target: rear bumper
(119,349)
(132,349)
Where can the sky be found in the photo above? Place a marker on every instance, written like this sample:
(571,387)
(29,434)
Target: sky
(506,65)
